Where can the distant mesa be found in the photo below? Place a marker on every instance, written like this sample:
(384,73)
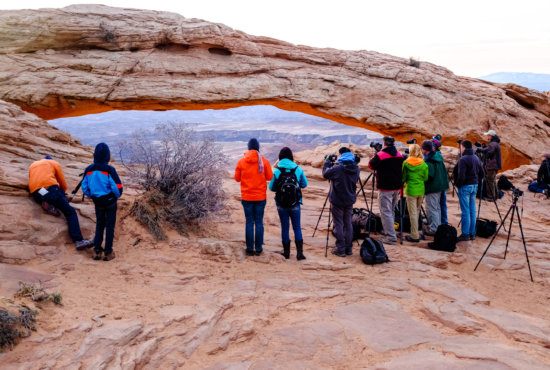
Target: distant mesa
(536,81)
(111,58)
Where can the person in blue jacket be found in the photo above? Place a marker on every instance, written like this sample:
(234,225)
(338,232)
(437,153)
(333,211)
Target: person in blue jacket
(296,181)
(102,184)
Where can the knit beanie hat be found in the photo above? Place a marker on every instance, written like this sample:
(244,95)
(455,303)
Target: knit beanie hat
(286,153)
(253,144)
(427,145)
(343,150)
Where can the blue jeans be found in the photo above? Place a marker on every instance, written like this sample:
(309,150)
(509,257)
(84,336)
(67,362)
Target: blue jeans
(56,197)
(105,221)
(443,204)
(294,215)
(467,199)
(254,214)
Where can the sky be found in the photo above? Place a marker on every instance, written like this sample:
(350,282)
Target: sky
(470,37)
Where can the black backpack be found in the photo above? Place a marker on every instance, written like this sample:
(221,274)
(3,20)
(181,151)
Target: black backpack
(288,191)
(445,239)
(372,252)
(360,220)
(485,228)
(504,184)
(406,218)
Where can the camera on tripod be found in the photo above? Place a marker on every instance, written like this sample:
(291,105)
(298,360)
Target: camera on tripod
(331,157)
(412,141)
(377,146)
(480,146)
(357,158)
(517,193)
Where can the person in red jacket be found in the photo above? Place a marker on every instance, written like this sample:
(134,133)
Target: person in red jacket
(253,171)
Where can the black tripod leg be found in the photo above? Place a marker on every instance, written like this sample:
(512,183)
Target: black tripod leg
(524,244)
(328,228)
(320,215)
(509,232)
(499,215)
(494,236)
(401,217)
(364,195)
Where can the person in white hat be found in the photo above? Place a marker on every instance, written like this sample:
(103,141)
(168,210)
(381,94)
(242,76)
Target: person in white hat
(493,164)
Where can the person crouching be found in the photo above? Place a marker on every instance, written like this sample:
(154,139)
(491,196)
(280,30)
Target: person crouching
(102,184)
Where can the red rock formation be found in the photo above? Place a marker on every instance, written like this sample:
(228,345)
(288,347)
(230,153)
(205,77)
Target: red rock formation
(88,58)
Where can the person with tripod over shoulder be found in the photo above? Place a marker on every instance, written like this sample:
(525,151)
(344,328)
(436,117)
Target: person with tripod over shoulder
(388,164)
(343,175)
(467,174)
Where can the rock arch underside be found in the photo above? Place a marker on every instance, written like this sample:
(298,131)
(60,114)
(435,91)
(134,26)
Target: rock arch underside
(89,59)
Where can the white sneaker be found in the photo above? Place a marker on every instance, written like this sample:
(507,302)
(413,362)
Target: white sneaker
(82,244)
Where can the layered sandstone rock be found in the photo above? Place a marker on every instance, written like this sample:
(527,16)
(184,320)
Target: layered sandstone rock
(89,58)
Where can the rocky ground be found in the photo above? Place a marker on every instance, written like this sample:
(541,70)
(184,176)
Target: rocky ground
(195,301)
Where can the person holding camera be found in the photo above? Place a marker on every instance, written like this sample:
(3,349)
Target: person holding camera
(493,164)
(288,179)
(343,174)
(415,174)
(388,164)
(438,181)
(253,171)
(467,174)
(542,185)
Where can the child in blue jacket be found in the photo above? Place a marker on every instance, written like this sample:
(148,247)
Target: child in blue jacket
(102,184)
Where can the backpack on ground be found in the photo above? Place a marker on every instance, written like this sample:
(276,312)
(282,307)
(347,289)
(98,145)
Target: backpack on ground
(360,219)
(445,239)
(485,228)
(504,184)
(372,252)
(288,192)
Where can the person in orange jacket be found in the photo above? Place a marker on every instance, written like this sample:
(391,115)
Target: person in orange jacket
(47,185)
(253,171)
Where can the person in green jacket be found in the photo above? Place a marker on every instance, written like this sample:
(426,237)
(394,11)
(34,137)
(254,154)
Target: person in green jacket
(415,174)
(438,181)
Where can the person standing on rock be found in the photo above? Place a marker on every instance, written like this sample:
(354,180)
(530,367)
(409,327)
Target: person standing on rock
(47,185)
(388,164)
(467,174)
(415,174)
(493,164)
(438,181)
(436,141)
(288,179)
(343,176)
(102,184)
(253,171)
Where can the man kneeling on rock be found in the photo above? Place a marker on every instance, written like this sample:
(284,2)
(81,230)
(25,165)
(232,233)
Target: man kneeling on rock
(47,186)
(343,177)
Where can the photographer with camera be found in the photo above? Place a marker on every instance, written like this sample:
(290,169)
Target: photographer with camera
(492,164)
(467,174)
(438,181)
(542,185)
(388,164)
(343,174)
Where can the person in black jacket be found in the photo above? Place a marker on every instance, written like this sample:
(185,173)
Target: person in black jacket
(343,177)
(467,174)
(542,185)
(388,164)
(493,164)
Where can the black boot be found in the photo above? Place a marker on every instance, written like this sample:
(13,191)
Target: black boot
(300,250)
(286,250)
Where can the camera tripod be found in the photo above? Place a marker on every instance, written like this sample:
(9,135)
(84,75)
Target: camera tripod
(514,211)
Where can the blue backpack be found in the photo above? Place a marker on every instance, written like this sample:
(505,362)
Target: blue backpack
(372,252)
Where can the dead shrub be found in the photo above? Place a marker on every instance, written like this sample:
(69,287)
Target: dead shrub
(181,174)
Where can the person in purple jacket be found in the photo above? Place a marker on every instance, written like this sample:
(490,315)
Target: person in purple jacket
(102,184)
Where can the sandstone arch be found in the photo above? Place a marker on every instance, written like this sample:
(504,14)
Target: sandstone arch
(90,58)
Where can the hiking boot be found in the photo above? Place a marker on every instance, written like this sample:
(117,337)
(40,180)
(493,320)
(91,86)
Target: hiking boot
(97,255)
(472,236)
(349,252)
(51,210)
(463,238)
(258,253)
(388,241)
(249,253)
(82,244)
(109,256)
(300,250)
(336,252)
(410,239)
(429,233)
(286,250)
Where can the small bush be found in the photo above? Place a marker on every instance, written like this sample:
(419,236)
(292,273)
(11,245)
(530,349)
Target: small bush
(181,174)
(414,62)
(9,333)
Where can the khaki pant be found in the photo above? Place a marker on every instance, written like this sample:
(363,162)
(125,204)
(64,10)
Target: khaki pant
(413,205)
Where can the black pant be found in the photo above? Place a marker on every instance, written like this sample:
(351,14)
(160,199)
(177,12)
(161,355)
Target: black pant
(343,229)
(105,220)
(56,198)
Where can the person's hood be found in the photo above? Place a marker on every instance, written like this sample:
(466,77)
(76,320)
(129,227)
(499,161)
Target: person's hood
(347,157)
(286,163)
(435,157)
(391,150)
(102,154)
(495,139)
(413,161)
(468,152)
(251,156)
